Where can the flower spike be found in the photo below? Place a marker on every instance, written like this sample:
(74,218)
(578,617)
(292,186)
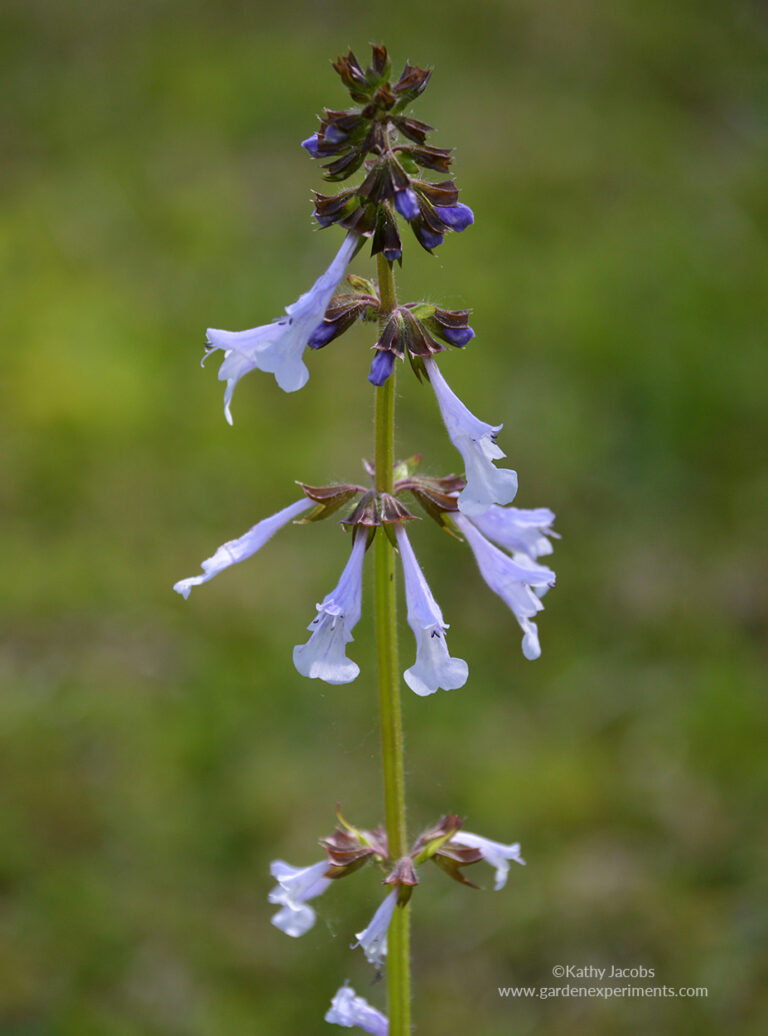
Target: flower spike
(324,655)
(476,442)
(277,347)
(350,1010)
(434,668)
(397,163)
(233,551)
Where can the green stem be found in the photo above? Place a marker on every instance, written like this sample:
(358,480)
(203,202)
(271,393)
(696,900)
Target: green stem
(398,942)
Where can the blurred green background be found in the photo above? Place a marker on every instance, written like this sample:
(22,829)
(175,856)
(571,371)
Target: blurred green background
(155,755)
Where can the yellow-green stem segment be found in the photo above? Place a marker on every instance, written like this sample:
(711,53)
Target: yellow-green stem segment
(398,942)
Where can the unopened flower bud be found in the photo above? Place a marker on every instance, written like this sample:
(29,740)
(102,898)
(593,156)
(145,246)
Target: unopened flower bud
(381,367)
(427,238)
(457,217)
(310,145)
(334,135)
(407,203)
(322,335)
(458,336)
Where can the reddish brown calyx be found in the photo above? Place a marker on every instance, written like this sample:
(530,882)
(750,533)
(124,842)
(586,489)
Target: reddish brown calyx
(403,877)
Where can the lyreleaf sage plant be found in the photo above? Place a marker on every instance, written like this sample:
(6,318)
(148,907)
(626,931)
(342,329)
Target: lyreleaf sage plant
(377,137)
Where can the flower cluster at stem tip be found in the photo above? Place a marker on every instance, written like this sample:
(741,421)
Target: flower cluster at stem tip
(378,137)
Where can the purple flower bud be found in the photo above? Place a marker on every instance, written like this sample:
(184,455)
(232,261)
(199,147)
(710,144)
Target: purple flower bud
(407,203)
(390,254)
(322,335)
(428,238)
(458,336)
(457,217)
(324,221)
(381,368)
(333,135)
(310,145)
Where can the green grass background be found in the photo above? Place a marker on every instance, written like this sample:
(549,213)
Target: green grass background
(155,755)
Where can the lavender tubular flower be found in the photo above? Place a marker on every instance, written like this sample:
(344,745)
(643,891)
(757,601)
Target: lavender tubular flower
(277,348)
(476,442)
(324,657)
(434,668)
(350,1010)
(517,529)
(373,939)
(234,551)
(295,885)
(495,853)
(512,579)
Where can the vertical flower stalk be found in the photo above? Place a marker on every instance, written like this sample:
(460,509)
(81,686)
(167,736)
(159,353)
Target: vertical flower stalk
(385,590)
(391,147)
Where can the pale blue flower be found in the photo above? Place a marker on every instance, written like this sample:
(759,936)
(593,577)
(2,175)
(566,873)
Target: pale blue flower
(514,579)
(373,939)
(295,885)
(434,667)
(495,853)
(476,442)
(277,348)
(233,551)
(324,657)
(349,1010)
(517,529)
